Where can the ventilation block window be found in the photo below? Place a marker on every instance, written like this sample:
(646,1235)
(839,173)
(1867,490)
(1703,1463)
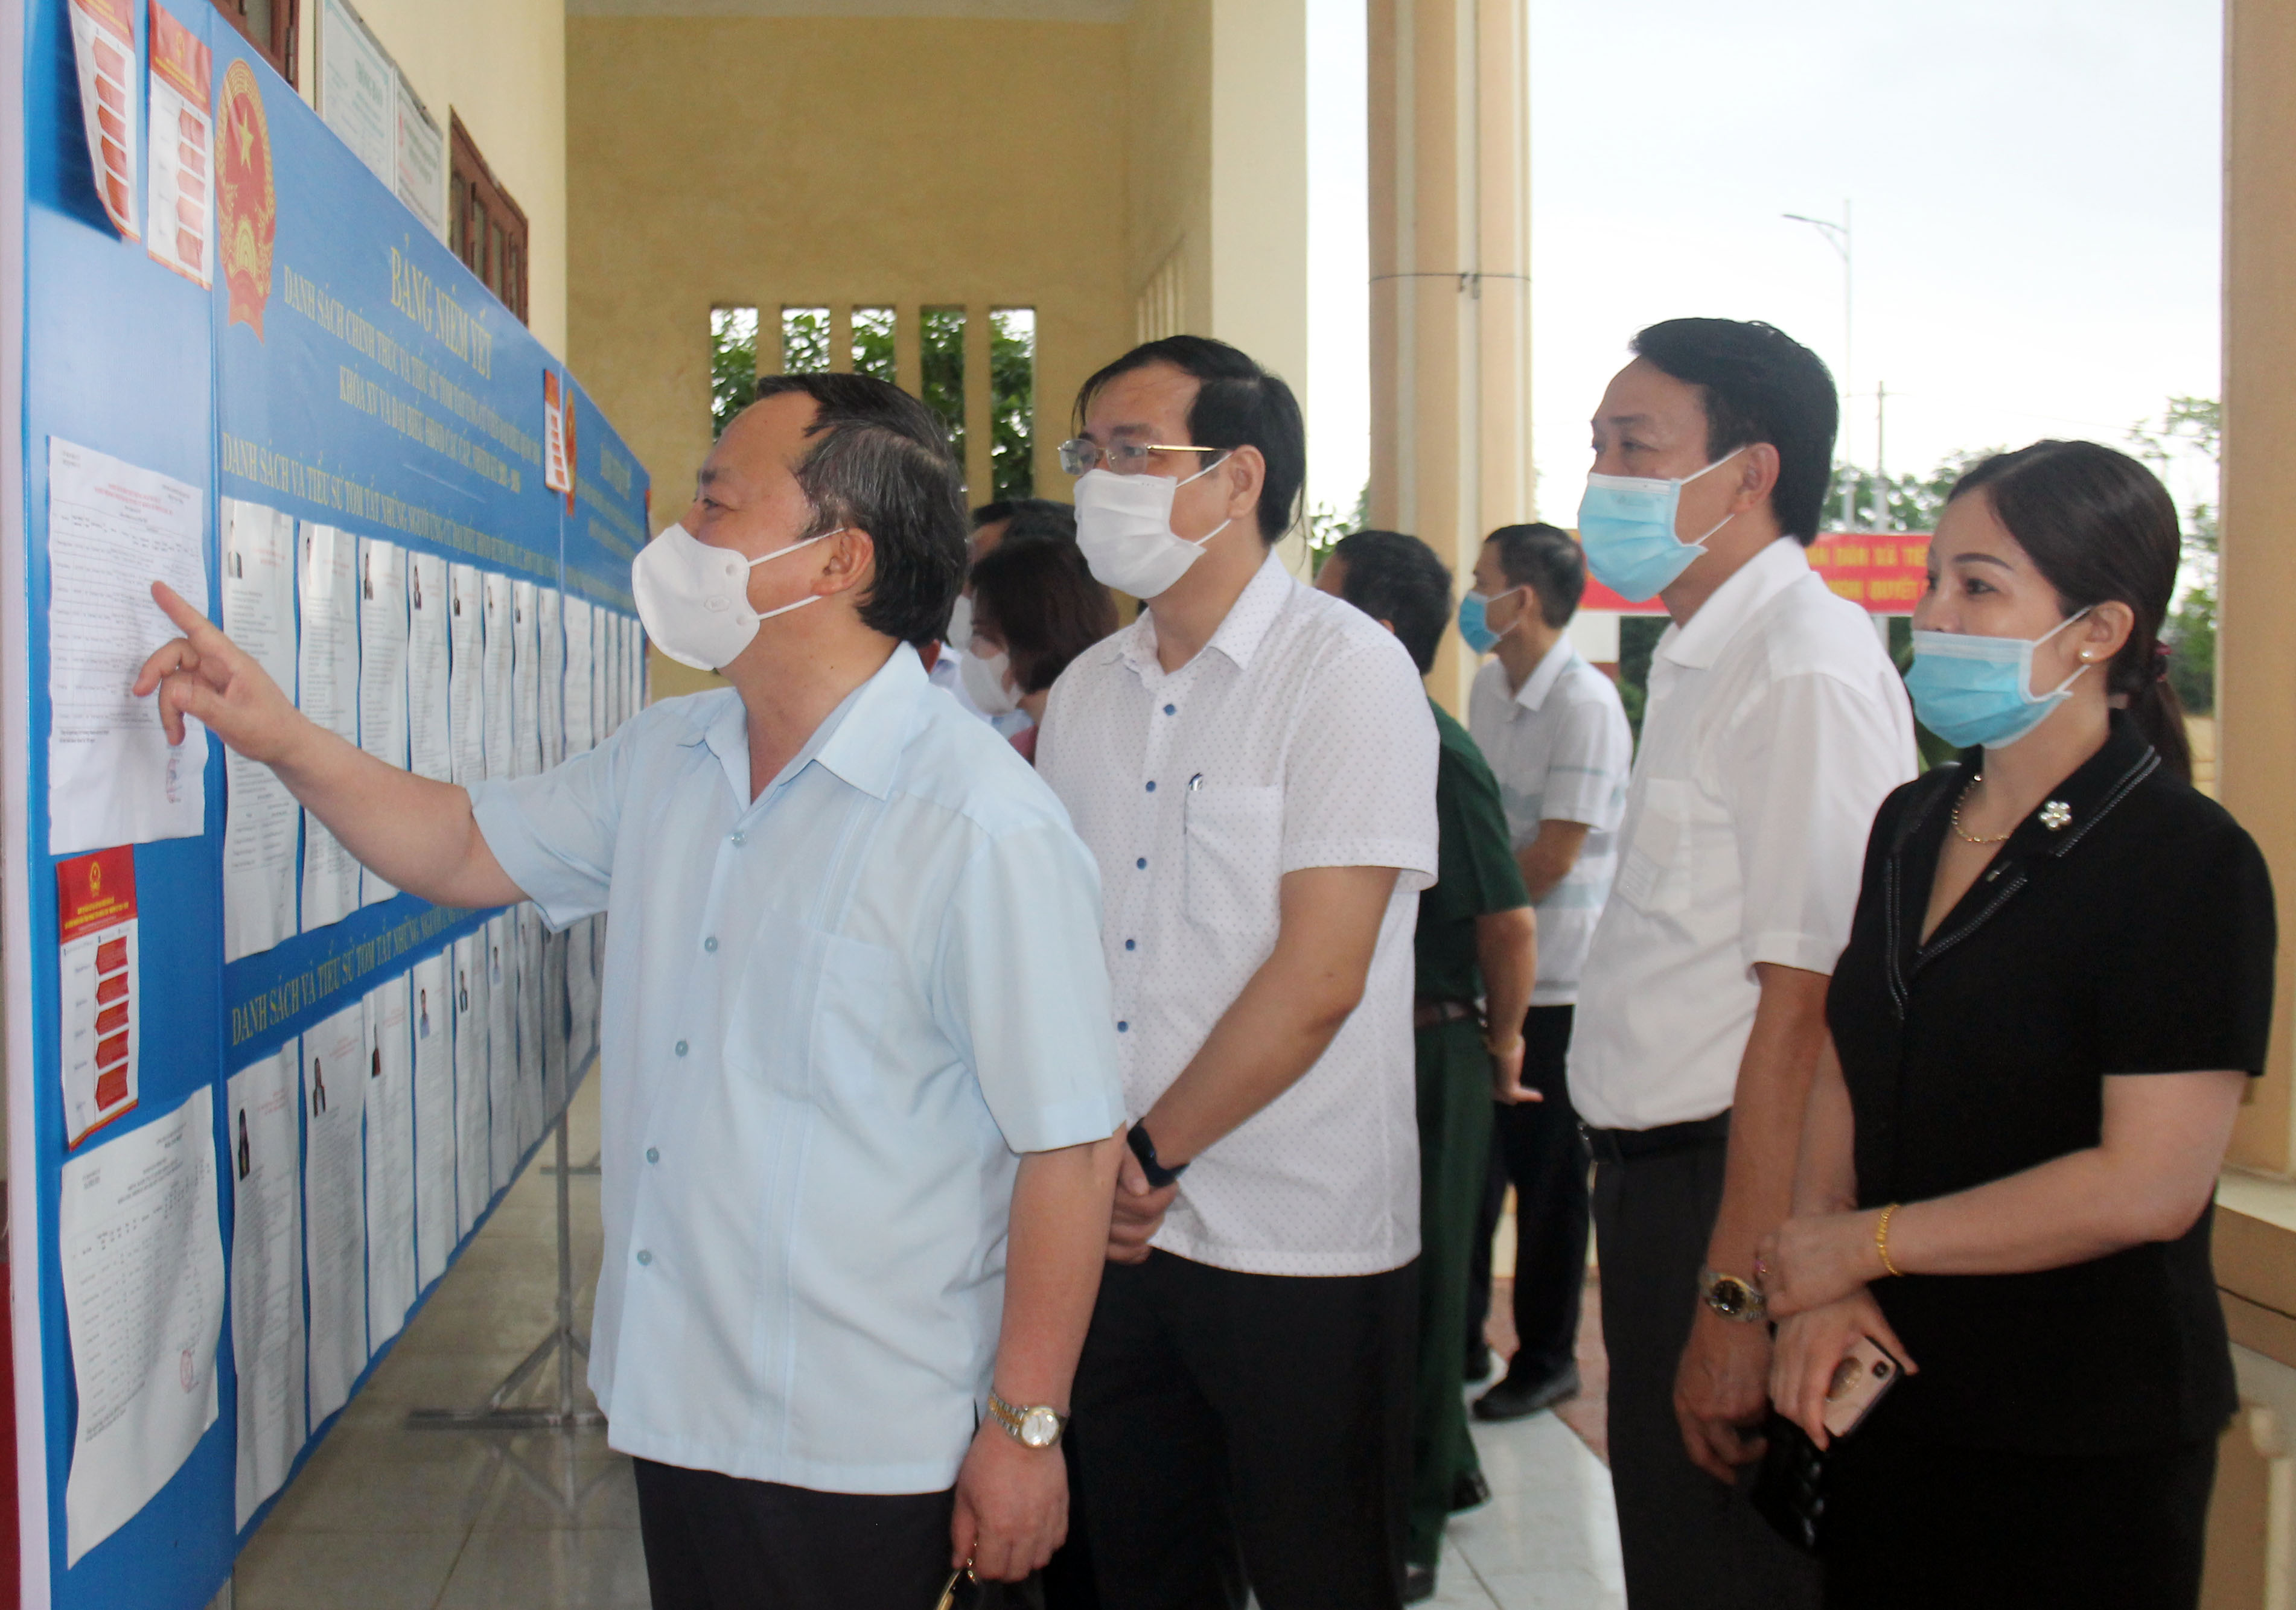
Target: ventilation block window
(872,342)
(941,345)
(733,363)
(1012,402)
(805,340)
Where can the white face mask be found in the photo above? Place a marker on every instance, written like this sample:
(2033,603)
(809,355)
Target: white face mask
(694,600)
(1124,528)
(959,635)
(986,679)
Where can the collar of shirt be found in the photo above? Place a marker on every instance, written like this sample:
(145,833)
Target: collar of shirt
(864,752)
(1543,675)
(1734,602)
(1240,633)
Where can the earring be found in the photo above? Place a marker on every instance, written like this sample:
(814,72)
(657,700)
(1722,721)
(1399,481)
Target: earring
(2083,654)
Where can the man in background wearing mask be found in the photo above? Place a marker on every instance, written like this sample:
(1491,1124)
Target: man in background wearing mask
(1775,726)
(860,1094)
(1253,765)
(973,685)
(1556,735)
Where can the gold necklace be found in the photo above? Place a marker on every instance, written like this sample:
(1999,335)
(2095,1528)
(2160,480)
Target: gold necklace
(1968,837)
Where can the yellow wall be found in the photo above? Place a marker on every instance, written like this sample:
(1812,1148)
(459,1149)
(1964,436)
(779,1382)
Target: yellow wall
(501,65)
(1168,48)
(760,161)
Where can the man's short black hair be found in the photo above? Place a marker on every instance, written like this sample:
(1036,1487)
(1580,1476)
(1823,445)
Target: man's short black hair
(1238,405)
(1397,579)
(1545,559)
(1028,519)
(881,460)
(1758,384)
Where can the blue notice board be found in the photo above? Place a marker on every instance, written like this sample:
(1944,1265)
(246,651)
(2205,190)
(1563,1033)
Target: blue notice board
(343,370)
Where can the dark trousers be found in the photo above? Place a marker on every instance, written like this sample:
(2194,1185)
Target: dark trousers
(1536,1147)
(1915,1523)
(718,1542)
(1454,1143)
(1242,1429)
(1688,1541)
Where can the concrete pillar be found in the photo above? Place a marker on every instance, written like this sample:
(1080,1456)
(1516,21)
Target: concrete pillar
(2256,652)
(1450,293)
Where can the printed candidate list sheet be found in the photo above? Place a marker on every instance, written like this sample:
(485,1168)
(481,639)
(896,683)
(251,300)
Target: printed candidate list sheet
(143,1273)
(550,626)
(526,680)
(500,936)
(428,725)
(328,693)
(262,1147)
(114,529)
(260,816)
(582,731)
(334,1205)
(473,1168)
(466,730)
(434,1121)
(389,1163)
(382,670)
(495,683)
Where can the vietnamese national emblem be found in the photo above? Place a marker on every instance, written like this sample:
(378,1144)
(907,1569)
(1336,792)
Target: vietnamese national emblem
(247,209)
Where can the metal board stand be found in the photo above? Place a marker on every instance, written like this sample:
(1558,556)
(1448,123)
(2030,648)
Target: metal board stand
(498,1412)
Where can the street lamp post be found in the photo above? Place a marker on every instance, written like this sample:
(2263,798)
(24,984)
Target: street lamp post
(1838,236)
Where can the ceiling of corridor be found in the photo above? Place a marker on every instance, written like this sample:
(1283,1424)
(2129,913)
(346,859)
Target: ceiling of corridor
(1037,11)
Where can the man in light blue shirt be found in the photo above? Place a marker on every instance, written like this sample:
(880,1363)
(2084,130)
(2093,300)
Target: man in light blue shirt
(859,1080)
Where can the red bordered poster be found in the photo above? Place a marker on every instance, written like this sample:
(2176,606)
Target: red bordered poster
(100,977)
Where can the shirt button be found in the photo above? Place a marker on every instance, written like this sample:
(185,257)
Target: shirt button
(1123,1027)
(1151,788)
(645,1256)
(1131,944)
(1142,864)
(710,945)
(1171,709)
(653,1154)
(739,838)
(681,1048)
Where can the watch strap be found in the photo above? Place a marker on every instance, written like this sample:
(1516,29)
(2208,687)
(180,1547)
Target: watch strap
(1733,1298)
(1015,1419)
(1144,1149)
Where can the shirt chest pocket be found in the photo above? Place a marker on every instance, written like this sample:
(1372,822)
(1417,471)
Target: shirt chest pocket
(820,1018)
(1654,867)
(1233,846)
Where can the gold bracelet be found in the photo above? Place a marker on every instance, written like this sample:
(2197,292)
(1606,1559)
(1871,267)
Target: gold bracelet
(1881,1237)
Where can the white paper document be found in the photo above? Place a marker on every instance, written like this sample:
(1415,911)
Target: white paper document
(532,1119)
(434,1120)
(429,727)
(327,690)
(114,529)
(335,1077)
(581,998)
(473,1168)
(525,680)
(183,151)
(389,1162)
(466,729)
(501,936)
(142,1251)
(264,1147)
(494,681)
(550,627)
(260,816)
(601,665)
(582,731)
(382,670)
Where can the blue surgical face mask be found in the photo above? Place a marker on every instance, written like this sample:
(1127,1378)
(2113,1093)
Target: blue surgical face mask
(1626,523)
(1474,624)
(1970,689)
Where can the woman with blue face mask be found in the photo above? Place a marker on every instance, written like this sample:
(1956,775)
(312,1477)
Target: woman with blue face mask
(2058,982)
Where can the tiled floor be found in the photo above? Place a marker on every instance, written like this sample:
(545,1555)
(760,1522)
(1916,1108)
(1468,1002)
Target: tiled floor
(387,1518)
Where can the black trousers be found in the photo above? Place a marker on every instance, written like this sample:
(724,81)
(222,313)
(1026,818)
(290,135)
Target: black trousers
(1912,1523)
(1688,1541)
(1242,1430)
(1536,1147)
(718,1542)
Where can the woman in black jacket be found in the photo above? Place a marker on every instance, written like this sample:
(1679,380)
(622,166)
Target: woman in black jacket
(2058,981)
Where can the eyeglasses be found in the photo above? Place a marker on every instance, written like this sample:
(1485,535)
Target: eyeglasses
(1078,455)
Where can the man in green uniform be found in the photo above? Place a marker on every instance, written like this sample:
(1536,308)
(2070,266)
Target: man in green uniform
(1477,951)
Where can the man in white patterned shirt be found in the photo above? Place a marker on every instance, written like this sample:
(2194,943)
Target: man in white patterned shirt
(1556,735)
(1253,765)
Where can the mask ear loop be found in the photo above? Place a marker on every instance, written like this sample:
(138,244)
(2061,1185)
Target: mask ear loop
(2084,667)
(1701,543)
(810,598)
(1197,541)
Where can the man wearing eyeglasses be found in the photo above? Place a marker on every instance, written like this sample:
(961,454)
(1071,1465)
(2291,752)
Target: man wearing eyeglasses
(1253,764)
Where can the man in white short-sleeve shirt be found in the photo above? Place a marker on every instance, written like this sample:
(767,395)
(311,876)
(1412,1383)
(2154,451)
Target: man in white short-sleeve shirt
(1556,735)
(860,1091)
(1775,726)
(1253,765)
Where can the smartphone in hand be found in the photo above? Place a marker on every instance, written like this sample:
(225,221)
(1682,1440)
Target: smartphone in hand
(1866,1372)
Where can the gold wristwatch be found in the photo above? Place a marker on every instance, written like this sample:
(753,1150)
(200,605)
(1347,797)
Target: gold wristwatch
(1037,1427)
(1732,1297)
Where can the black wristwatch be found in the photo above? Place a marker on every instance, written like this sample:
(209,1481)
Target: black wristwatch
(1144,1149)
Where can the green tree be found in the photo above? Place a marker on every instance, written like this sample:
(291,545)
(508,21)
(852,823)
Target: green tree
(1012,402)
(732,365)
(2190,428)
